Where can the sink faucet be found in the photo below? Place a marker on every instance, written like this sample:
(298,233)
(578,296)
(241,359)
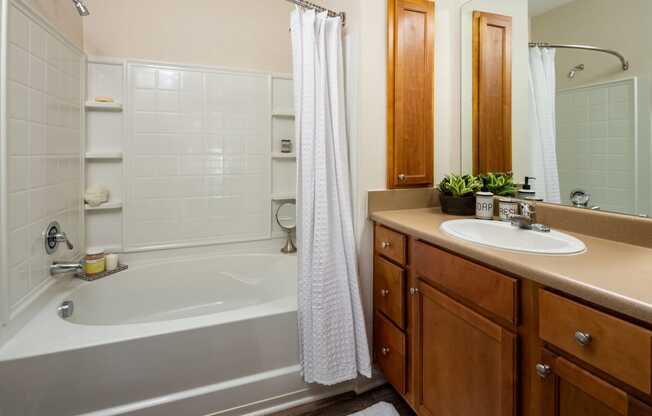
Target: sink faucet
(57,268)
(527,219)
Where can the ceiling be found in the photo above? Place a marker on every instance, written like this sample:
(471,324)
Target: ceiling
(538,7)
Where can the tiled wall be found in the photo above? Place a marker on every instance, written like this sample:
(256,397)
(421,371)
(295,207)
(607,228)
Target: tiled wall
(596,144)
(44,144)
(198,156)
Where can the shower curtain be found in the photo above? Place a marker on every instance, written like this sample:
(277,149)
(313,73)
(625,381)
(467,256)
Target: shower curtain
(543,126)
(332,334)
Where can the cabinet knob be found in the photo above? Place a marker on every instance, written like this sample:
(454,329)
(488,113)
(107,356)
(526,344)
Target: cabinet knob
(385,245)
(543,370)
(384,350)
(414,291)
(401,177)
(583,338)
(384,293)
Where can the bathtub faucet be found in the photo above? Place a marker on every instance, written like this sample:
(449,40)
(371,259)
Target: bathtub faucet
(57,268)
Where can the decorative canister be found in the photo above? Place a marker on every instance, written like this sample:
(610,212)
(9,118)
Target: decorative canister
(286,146)
(94,262)
(484,205)
(506,208)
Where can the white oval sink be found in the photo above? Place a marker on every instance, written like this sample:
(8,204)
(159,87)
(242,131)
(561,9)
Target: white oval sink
(505,236)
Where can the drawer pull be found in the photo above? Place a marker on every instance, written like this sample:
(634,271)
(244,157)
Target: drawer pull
(414,291)
(384,293)
(583,338)
(402,177)
(384,350)
(385,245)
(543,370)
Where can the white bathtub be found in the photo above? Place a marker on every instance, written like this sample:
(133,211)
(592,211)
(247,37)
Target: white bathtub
(206,335)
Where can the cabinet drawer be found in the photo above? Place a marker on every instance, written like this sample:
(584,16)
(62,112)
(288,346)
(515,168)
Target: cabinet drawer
(389,351)
(390,244)
(492,291)
(619,348)
(389,290)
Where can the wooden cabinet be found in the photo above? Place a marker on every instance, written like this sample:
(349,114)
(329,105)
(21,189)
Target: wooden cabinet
(455,337)
(492,93)
(466,363)
(570,390)
(410,92)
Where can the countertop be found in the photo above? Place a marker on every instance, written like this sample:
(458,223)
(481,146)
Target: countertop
(611,274)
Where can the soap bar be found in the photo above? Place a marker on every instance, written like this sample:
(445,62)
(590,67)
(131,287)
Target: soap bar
(103,99)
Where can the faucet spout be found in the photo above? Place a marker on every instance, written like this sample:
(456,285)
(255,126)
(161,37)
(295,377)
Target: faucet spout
(62,268)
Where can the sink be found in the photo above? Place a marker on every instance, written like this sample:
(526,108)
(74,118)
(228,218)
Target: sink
(505,236)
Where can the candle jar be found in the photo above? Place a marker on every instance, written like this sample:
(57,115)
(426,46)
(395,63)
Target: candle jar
(484,205)
(506,208)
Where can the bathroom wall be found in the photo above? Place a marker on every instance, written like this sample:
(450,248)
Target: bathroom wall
(63,16)
(249,34)
(43,145)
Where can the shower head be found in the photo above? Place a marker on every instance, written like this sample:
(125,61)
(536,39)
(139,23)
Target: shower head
(81,7)
(575,70)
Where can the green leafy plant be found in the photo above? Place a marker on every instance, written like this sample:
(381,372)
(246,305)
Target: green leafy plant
(459,186)
(501,184)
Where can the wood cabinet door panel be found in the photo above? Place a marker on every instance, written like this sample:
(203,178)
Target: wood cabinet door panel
(467,363)
(410,155)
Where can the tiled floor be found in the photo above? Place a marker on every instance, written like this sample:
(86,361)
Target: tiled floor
(350,403)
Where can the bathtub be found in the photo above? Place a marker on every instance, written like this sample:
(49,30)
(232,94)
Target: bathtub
(194,336)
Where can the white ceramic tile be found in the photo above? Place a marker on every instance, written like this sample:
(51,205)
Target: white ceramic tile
(17,210)
(37,73)
(19,284)
(17,137)
(18,28)
(37,102)
(18,63)
(53,51)
(37,41)
(168,79)
(18,101)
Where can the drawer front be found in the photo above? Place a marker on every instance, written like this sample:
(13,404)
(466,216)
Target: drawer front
(389,290)
(619,348)
(492,291)
(390,244)
(390,352)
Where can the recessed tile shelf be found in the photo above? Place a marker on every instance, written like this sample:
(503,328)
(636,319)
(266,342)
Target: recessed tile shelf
(95,106)
(108,206)
(279,155)
(283,197)
(283,114)
(104,156)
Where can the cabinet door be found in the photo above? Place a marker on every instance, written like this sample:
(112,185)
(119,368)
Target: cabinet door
(467,363)
(410,130)
(569,390)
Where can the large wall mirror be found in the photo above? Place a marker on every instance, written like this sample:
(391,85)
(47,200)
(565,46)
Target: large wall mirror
(580,98)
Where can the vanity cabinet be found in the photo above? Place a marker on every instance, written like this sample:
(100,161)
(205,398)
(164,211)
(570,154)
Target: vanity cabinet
(455,337)
(569,390)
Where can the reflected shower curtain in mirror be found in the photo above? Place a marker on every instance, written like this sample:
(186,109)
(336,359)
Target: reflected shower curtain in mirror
(543,125)
(332,334)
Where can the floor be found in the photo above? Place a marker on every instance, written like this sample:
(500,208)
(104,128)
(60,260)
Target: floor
(348,403)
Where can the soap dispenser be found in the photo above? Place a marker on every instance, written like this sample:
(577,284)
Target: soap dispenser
(526,191)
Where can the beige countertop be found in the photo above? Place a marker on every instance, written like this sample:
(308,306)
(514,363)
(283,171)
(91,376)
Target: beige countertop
(614,275)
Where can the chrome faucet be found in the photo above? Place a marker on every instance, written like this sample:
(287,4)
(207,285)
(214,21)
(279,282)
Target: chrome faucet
(527,219)
(57,268)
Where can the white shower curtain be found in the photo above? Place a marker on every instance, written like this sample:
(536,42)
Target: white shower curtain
(543,125)
(332,334)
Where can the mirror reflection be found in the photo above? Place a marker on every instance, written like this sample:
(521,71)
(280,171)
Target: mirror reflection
(580,119)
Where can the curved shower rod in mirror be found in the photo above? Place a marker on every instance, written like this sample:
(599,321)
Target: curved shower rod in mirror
(623,61)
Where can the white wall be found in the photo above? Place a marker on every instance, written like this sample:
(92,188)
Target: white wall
(43,153)
(63,16)
(249,34)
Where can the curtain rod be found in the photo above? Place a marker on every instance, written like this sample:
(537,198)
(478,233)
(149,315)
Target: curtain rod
(623,61)
(309,5)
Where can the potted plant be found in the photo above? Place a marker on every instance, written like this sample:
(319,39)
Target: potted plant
(499,184)
(457,194)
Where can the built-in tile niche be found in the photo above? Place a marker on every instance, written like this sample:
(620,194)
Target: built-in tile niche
(44,134)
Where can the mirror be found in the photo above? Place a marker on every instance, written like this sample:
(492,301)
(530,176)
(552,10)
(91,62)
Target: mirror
(286,218)
(582,125)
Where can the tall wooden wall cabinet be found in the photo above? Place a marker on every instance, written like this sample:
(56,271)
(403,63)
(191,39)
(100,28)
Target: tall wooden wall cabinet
(410,93)
(492,93)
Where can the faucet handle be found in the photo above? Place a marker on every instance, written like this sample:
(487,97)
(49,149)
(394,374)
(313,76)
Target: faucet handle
(63,238)
(53,235)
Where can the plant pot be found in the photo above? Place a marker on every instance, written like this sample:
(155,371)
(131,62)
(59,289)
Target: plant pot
(457,206)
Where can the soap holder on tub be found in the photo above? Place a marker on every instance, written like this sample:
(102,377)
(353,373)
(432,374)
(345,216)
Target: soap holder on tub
(93,277)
